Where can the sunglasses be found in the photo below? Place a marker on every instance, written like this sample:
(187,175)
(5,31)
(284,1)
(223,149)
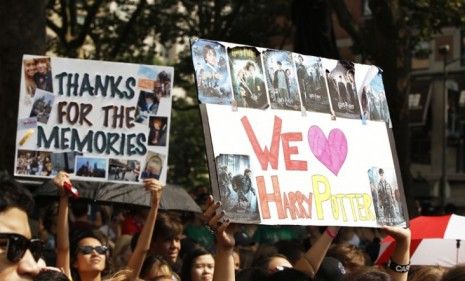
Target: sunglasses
(87,250)
(17,245)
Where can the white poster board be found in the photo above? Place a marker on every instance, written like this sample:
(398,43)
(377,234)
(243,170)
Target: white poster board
(287,142)
(99,121)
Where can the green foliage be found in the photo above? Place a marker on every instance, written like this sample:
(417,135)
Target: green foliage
(143,31)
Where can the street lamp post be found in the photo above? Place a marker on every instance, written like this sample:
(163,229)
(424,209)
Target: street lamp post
(444,50)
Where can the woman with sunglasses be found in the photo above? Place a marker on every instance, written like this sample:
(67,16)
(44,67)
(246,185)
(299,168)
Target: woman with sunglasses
(90,257)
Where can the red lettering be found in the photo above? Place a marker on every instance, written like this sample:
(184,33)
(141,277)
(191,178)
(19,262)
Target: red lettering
(298,165)
(265,156)
(265,198)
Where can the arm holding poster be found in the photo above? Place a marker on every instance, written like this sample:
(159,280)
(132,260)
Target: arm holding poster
(224,260)
(143,243)
(63,257)
(310,262)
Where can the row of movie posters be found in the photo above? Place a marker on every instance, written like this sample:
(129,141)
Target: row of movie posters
(260,78)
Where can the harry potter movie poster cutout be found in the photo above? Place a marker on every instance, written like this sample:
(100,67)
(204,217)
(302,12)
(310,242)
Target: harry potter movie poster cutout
(247,77)
(280,78)
(340,77)
(211,69)
(373,97)
(312,86)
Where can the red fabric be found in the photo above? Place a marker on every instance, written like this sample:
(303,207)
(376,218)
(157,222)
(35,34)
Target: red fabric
(384,257)
(130,226)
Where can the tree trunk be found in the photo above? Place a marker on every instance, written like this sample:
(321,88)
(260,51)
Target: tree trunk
(22,32)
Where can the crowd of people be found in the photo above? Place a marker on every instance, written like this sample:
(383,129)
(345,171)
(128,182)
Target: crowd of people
(71,242)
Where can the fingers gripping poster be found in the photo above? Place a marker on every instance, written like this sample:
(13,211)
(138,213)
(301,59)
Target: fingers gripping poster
(306,155)
(98,121)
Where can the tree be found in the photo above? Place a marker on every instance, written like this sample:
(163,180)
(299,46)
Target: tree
(136,31)
(389,39)
(22,32)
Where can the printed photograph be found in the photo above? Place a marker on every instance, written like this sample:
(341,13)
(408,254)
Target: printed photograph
(158,127)
(281,80)
(312,85)
(91,167)
(373,100)
(342,91)
(154,80)
(43,74)
(42,106)
(64,161)
(30,70)
(154,164)
(211,72)
(237,187)
(33,163)
(124,170)
(147,105)
(247,77)
(387,200)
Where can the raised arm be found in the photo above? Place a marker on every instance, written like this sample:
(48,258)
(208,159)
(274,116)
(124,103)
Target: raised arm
(310,262)
(224,260)
(63,258)
(143,243)
(399,262)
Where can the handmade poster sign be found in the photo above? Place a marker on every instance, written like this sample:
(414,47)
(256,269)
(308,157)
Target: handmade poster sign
(309,158)
(99,121)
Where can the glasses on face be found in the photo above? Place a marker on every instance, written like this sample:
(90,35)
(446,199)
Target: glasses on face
(17,245)
(87,250)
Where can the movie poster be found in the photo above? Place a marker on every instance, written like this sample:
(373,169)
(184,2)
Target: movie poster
(247,77)
(281,80)
(211,69)
(312,84)
(373,97)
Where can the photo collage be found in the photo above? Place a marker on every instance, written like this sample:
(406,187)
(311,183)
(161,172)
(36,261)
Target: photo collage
(150,113)
(253,77)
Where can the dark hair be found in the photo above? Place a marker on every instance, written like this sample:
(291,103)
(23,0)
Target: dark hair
(456,273)
(166,227)
(148,264)
(79,208)
(13,194)
(206,49)
(79,235)
(189,260)
(252,274)
(50,275)
(367,273)
(288,274)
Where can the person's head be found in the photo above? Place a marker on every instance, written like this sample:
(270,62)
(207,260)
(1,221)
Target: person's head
(286,274)
(29,68)
(42,65)
(209,54)
(154,165)
(250,67)
(301,59)
(426,273)
(367,273)
(247,172)
(350,256)
(51,275)
(155,267)
(381,172)
(89,255)
(18,253)
(456,273)
(166,240)
(198,265)
(149,98)
(157,124)
(273,263)
(280,64)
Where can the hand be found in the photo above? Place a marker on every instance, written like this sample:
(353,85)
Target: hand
(59,180)
(399,234)
(213,219)
(154,186)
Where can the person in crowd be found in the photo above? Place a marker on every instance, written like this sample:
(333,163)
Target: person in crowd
(51,275)
(198,265)
(350,256)
(426,273)
(43,75)
(30,70)
(456,273)
(166,240)
(19,254)
(155,268)
(89,255)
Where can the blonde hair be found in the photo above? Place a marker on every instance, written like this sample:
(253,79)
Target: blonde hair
(426,273)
